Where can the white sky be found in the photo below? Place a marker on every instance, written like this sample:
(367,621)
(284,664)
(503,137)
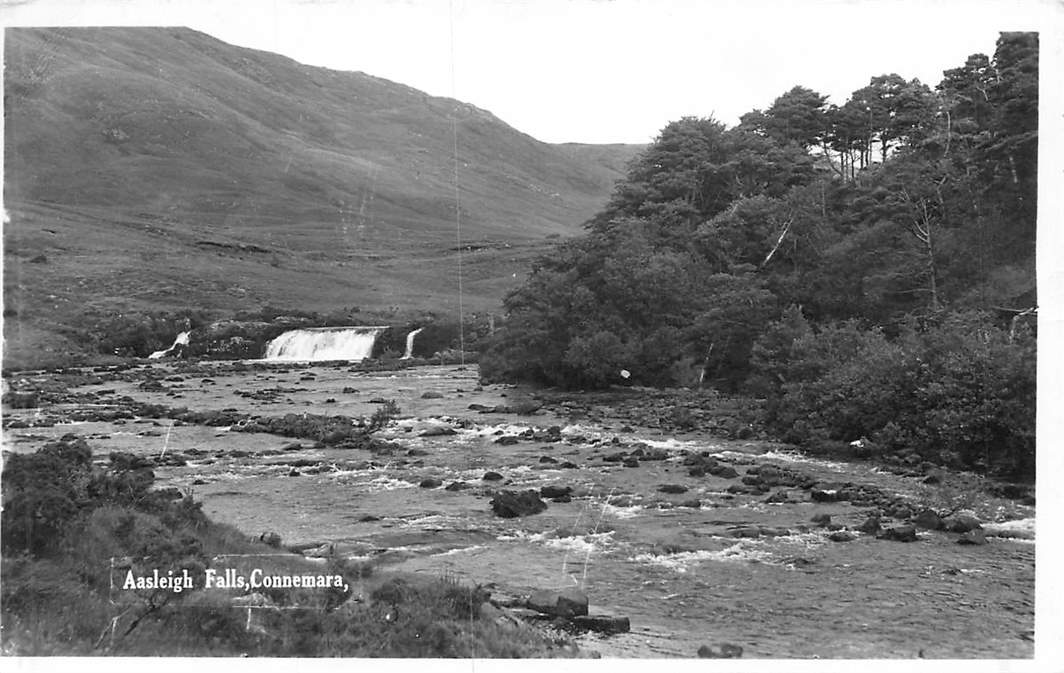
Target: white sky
(592,70)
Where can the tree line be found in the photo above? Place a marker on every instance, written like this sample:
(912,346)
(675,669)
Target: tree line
(863,267)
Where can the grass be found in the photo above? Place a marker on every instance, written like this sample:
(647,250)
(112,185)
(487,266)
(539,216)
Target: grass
(72,530)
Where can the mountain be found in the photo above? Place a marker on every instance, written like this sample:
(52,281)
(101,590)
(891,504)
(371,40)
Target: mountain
(160,168)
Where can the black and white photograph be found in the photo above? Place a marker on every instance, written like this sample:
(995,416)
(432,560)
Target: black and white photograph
(480,330)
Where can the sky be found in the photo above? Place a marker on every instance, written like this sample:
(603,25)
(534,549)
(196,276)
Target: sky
(593,71)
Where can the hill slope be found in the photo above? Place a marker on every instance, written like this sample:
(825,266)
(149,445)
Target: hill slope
(162,168)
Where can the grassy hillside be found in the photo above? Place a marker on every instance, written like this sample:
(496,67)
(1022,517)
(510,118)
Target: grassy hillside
(159,168)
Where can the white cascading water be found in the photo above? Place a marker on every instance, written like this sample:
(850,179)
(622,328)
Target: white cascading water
(410,344)
(324,343)
(181,340)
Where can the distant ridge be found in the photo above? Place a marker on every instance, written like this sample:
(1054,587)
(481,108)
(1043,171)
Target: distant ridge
(161,167)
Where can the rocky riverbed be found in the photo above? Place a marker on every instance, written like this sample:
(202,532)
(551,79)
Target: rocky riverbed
(700,533)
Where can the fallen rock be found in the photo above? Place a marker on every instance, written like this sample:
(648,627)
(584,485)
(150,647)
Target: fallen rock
(841,536)
(430,482)
(565,603)
(512,504)
(431,395)
(693,504)
(602,624)
(492,476)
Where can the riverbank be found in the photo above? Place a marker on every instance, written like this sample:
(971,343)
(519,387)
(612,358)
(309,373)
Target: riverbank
(696,529)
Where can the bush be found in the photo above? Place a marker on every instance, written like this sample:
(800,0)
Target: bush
(956,389)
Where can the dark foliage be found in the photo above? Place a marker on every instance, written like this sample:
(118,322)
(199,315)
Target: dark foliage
(901,223)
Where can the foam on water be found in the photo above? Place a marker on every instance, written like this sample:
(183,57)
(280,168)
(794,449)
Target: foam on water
(740,552)
(790,457)
(1019,529)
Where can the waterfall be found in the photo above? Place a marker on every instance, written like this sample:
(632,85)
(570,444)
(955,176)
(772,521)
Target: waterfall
(410,344)
(181,340)
(324,343)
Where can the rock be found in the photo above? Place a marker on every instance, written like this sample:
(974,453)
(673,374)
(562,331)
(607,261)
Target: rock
(841,536)
(430,482)
(929,519)
(602,624)
(367,518)
(899,534)
(564,603)
(508,440)
(723,471)
(492,476)
(631,462)
(745,531)
(778,497)
(672,488)
(974,536)
(693,504)
(822,519)
(824,495)
(615,457)
(562,498)
(512,504)
(272,539)
(743,489)
(902,512)
(456,486)
(431,395)
(726,651)
(548,459)
(438,431)
(933,478)
(870,525)
(962,523)
(553,491)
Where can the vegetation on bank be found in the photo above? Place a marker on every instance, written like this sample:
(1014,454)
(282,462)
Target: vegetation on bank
(72,529)
(868,269)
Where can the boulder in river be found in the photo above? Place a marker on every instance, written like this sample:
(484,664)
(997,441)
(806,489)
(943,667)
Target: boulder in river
(974,536)
(554,491)
(870,525)
(672,488)
(567,603)
(821,519)
(899,534)
(929,519)
(725,651)
(430,482)
(512,504)
(962,523)
(492,476)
